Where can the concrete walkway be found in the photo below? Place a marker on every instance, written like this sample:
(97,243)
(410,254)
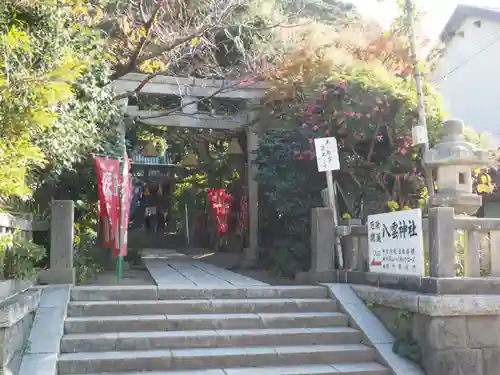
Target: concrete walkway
(42,348)
(169,268)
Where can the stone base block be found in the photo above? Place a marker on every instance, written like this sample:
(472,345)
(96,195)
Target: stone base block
(13,342)
(249,258)
(456,334)
(463,203)
(57,276)
(318,276)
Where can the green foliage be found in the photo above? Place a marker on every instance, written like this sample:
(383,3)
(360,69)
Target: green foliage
(86,264)
(288,189)
(371,115)
(401,324)
(20,258)
(56,106)
(86,249)
(405,345)
(52,100)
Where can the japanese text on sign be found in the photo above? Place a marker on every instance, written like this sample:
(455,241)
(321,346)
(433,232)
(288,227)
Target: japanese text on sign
(395,242)
(327,154)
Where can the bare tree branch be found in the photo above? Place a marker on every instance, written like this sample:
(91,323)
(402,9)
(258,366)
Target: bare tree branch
(120,71)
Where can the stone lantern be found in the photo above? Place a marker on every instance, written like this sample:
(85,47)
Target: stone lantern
(453,159)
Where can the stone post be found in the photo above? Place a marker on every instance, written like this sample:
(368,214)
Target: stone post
(322,242)
(251,253)
(188,102)
(442,242)
(29,233)
(353,254)
(61,269)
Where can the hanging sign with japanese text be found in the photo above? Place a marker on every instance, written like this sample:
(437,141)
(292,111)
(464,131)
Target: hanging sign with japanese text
(395,242)
(327,154)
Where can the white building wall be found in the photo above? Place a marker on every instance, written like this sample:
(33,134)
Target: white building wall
(468,77)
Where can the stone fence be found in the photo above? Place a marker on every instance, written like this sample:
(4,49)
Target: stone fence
(19,298)
(17,301)
(10,223)
(450,315)
(454,246)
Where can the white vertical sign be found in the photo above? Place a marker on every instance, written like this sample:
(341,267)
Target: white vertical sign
(327,154)
(419,135)
(395,242)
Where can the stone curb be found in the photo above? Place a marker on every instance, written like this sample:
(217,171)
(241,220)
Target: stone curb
(145,292)
(17,307)
(43,345)
(447,305)
(376,335)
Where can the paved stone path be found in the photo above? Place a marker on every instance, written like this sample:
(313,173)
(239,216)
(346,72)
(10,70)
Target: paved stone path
(170,268)
(42,349)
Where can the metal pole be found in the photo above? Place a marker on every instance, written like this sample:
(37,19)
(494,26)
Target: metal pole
(119,260)
(122,103)
(332,203)
(418,85)
(187,224)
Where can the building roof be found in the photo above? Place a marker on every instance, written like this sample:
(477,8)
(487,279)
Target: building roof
(464,11)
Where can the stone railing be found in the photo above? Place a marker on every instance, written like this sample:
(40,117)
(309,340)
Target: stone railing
(25,226)
(448,318)
(10,224)
(19,298)
(18,301)
(481,244)
(454,246)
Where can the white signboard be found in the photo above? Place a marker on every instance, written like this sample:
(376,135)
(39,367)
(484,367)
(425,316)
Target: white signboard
(419,135)
(395,242)
(327,154)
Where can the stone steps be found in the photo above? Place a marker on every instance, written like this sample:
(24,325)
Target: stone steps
(370,368)
(193,359)
(272,330)
(140,292)
(96,342)
(200,306)
(133,323)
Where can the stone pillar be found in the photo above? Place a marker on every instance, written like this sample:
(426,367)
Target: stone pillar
(61,269)
(188,102)
(29,233)
(442,242)
(354,257)
(322,243)
(251,253)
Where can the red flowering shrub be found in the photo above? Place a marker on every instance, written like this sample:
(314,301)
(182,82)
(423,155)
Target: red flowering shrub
(371,117)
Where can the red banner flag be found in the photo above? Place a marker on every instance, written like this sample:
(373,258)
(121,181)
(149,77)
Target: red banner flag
(220,204)
(108,173)
(125,210)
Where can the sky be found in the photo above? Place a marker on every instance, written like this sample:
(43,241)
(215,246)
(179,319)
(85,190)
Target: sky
(437,12)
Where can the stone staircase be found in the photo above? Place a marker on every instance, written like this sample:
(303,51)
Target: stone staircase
(238,331)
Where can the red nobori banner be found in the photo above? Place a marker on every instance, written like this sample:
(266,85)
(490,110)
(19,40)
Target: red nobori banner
(220,204)
(108,177)
(127,198)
